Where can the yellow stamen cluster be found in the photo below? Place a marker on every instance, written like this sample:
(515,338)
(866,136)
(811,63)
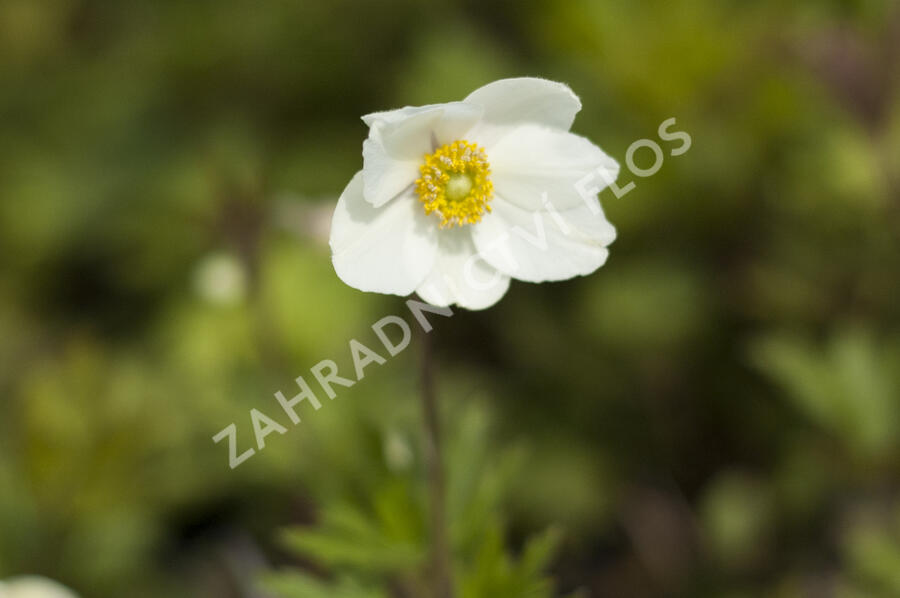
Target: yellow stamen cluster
(455,183)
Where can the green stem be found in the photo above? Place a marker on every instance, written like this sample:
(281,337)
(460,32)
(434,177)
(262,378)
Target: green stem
(440,568)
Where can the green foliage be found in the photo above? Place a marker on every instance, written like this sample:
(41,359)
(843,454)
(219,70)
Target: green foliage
(384,539)
(873,551)
(847,388)
(347,538)
(301,585)
(494,573)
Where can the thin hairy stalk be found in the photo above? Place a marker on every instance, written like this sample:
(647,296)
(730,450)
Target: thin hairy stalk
(440,570)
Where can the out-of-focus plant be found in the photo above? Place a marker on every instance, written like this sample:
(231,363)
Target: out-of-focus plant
(849,387)
(377,544)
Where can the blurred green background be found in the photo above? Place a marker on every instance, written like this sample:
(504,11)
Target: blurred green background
(715,412)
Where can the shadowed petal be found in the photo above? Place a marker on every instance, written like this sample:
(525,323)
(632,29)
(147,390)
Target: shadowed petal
(383,250)
(461,276)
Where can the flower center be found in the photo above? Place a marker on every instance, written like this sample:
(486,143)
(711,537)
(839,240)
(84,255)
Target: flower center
(455,183)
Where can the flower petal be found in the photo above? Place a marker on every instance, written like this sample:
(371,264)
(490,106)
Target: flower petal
(531,161)
(537,246)
(399,139)
(527,99)
(454,119)
(383,250)
(385,177)
(388,116)
(392,153)
(461,276)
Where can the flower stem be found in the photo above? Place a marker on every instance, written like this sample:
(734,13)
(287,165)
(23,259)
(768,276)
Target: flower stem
(440,571)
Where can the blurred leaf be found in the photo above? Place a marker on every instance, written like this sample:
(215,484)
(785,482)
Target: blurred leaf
(494,573)
(737,518)
(294,584)
(846,387)
(348,538)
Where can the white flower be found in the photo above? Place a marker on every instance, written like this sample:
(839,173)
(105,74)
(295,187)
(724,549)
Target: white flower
(455,199)
(32,586)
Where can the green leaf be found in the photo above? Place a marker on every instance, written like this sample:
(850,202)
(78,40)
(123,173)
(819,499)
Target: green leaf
(348,538)
(294,584)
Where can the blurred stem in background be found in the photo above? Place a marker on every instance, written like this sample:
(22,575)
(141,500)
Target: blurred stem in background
(440,579)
